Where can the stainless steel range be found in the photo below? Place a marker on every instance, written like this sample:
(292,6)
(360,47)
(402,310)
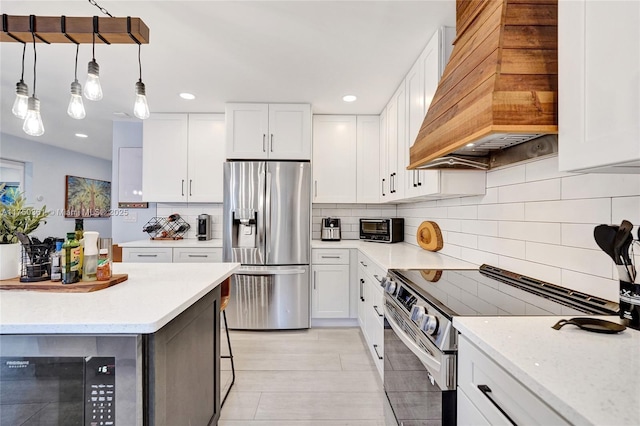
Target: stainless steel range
(420,343)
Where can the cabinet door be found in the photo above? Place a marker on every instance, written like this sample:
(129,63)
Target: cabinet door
(368,153)
(599,85)
(384,166)
(164,158)
(330,298)
(334,157)
(363,302)
(247,128)
(289,132)
(396,143)
(206,157)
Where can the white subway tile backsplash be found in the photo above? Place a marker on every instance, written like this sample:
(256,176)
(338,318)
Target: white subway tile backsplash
(478,256)
(479,227)
(594,262)
(447,249)
(449,202)
(590,284)
(530,231)
(462,212)
(625,208)
(544,169)
(490,197)
(595,210)
(595,185)
(531,191)
(349,215)
(503,246)
(506,176)
(579,235)
(463,240)
(513,211)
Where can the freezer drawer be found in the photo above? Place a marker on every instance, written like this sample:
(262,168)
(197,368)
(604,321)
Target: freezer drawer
(269,298)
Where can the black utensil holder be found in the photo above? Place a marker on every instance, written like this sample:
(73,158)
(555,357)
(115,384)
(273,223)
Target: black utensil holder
(630,304)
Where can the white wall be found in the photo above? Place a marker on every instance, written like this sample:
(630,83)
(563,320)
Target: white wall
(46,168)
(536,221)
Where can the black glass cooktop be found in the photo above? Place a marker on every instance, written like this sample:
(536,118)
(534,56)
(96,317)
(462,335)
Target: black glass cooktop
(491,291)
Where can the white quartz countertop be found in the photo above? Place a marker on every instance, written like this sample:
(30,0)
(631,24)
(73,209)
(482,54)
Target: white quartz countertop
(588,378)
(186,243)
(397,255)
(153,295)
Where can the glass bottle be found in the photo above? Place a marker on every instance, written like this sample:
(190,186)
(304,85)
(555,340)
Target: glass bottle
(104,258)
(80,237)
(56,262)
(70,259)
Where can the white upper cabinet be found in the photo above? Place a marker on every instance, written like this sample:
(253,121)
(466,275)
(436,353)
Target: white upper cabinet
(384,166)
(396,135)
(268,131)
(182,157)
(599,86)
(334,159)
(368,151)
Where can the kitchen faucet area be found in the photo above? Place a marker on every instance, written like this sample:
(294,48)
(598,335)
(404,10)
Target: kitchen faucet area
(320,213)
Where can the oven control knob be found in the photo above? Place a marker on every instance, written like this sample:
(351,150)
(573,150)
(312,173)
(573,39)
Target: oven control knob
(390,286)
(429,325)
(418,313)
(383,282)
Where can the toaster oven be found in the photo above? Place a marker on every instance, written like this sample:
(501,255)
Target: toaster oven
(383,230)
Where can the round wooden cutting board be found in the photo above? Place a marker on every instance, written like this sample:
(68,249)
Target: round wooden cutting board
(429,236)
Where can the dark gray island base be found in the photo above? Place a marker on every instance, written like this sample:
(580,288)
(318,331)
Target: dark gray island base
(165,373)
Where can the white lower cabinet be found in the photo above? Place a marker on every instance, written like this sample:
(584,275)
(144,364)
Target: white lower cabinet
(330,283)
(485,387)
(371,309)
(197,255)
(169,254)
(147,255)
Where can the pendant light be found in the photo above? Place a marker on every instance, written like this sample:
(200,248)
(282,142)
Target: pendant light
(140,107)
(92,88)
(22,92)
(33,121)
(76,106)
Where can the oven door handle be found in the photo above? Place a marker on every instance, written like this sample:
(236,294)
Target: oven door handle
(433,364)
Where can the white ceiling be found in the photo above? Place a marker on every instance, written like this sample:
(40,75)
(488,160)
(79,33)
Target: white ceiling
(223,51)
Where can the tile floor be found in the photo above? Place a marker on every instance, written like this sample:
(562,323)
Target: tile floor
(320,376)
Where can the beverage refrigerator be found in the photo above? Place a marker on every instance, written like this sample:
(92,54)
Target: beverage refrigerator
(267,228)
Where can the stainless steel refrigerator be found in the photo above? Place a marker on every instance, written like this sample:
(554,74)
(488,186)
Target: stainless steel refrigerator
(267,228)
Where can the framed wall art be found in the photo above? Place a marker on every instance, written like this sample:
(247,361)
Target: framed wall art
(87,198)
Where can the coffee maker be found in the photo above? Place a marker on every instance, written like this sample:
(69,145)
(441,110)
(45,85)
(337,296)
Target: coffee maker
(205,230)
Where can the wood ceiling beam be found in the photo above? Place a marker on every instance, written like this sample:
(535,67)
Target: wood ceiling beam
(61,29)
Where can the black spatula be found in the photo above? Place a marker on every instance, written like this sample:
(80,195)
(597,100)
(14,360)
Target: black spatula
(605,236)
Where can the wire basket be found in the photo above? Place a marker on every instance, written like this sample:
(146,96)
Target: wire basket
(36,264)
(166,228)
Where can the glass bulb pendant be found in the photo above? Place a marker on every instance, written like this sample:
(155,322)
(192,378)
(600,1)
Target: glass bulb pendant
(20,105)
(140,108)
(33,122)
(92,89)
(76,106)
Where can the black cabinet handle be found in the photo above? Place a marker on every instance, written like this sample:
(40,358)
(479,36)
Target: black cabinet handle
(486,390)
(383,194)
(183,187)
(361,288)
(375,308)
(375,348)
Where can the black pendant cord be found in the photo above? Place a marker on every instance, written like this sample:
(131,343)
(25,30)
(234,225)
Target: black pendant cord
(24,50)
(139,63)
(93,51)
(76,69)
(35,57)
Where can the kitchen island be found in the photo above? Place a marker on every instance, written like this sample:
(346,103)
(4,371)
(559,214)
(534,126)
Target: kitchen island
(160,328)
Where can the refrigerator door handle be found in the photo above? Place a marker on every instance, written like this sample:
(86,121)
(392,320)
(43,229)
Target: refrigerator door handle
(267,217)
(292,271)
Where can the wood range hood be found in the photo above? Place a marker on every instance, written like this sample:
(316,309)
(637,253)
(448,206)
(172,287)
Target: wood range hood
(499,88)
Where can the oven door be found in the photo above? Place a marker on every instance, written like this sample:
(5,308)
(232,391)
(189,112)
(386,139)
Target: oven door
(414,395)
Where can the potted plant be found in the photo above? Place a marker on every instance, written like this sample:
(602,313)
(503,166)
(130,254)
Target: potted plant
(15,216)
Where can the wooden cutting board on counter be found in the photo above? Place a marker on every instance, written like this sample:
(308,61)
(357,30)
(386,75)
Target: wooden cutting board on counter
(58,287)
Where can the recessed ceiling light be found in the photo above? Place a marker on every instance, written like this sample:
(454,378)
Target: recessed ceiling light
(349,98)
(187,96)
(81,135)
(471,144)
